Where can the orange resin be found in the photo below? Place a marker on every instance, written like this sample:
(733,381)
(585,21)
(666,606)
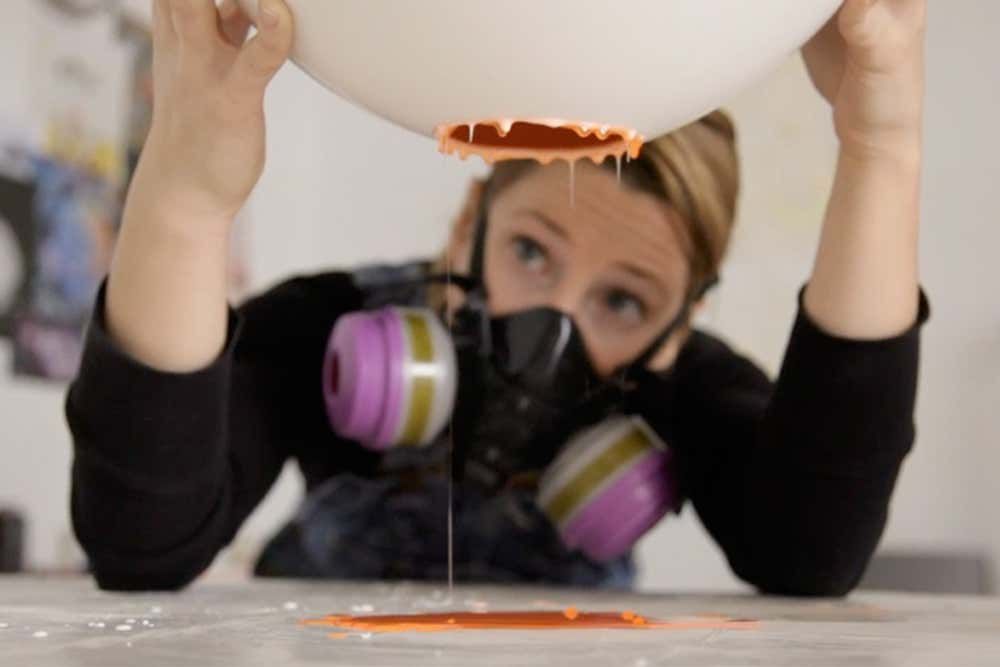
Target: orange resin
(568,619)
(541,139)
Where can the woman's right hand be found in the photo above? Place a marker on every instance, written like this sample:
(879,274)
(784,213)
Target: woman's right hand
(167,291)
(206,145)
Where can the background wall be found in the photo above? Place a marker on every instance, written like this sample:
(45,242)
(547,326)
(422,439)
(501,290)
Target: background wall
(342,187)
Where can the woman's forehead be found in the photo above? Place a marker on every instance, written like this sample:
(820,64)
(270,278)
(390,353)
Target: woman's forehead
(607,221)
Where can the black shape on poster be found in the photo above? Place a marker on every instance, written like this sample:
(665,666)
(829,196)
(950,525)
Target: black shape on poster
(17,249)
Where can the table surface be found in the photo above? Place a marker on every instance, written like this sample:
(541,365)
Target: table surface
(68,622)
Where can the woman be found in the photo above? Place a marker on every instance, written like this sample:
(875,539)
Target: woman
(184,411)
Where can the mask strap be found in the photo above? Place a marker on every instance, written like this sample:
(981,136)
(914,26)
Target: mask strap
(477,269)
(466,283)
(647,355)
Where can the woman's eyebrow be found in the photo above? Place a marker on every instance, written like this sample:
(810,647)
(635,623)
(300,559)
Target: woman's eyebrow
(642,274)
(553,226)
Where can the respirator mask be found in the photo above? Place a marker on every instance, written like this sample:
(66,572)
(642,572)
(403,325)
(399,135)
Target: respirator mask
(525,403)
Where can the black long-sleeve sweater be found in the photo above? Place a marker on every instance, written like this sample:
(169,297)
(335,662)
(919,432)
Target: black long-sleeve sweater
(792,479)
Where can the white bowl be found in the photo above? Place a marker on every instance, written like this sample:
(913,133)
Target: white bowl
(645,65)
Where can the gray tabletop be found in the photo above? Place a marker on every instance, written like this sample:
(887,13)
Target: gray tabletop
(68,622)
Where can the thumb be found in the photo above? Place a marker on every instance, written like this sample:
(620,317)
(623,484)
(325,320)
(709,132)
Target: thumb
(261,57)
(856,22)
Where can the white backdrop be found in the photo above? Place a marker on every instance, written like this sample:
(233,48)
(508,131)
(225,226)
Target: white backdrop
(342,187)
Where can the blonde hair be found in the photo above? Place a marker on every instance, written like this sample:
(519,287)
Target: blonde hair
(695,169)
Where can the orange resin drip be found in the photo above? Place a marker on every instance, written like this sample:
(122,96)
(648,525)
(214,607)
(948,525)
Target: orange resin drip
(569,619)
(541,139)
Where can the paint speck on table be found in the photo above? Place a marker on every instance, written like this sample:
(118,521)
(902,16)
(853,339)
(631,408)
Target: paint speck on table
(41,634)
(123,628)
(362,608)
(290,606)
(3,626)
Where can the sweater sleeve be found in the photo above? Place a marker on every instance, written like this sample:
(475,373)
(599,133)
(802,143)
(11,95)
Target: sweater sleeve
(793,479)
(167,466)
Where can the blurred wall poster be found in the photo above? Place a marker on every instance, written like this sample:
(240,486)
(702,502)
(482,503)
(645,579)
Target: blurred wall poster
(64,171)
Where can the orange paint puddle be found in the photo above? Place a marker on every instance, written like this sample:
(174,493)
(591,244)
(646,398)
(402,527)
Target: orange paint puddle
(541,139)
(568,619)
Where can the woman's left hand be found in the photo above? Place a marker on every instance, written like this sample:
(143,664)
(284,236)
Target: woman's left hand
(868,62)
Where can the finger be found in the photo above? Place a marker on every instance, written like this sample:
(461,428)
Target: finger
(234,24)
(857,21)
(264,55)
(163,26)
(824,59)
(195,22)
(913,12)
(826,38)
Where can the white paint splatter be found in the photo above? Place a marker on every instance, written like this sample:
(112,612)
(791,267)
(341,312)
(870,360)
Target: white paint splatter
(95,624)
(642,662)
(123,628)
(366,635)
(130,621)
(147,623)
(156,610)
(41,634)
(3,626)
(362,609)
(291,606)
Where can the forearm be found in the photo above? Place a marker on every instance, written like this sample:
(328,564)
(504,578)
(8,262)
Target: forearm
(151,474)
(166,302)
(166,299)
(794,482)
(865,279)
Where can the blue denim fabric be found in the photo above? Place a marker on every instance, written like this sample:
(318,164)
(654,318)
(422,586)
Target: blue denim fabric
(384,528)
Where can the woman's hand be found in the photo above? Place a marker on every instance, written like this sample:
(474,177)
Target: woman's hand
(166,294)
(205,150)
(868,62)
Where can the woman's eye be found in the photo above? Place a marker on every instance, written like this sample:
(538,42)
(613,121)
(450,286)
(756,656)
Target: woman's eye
(625,305)
(529,252)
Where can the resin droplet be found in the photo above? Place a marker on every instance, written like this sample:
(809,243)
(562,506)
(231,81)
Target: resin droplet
(572,182)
